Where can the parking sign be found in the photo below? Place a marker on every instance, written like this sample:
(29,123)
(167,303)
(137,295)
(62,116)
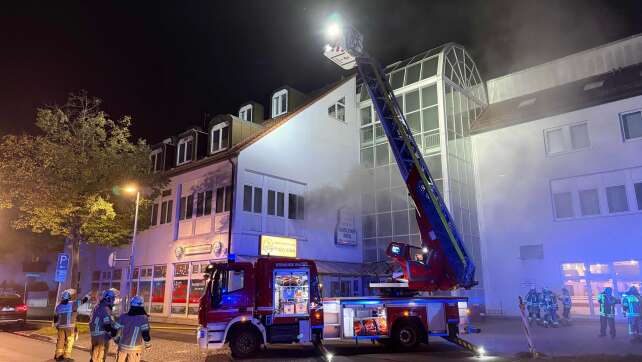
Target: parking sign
(62,266)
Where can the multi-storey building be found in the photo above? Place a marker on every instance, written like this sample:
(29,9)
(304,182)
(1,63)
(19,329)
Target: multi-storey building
(558,155)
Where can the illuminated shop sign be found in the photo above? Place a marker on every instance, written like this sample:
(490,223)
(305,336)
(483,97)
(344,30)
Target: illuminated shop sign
(277,246)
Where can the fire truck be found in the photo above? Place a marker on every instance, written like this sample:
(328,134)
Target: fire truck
(278,300)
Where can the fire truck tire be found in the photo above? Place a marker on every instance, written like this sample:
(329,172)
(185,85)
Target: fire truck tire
(406,335)
(244,342)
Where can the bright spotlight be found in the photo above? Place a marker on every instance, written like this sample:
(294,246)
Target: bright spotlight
(424,250)
(333,31)
(329,356)
(481,351)
(131,189)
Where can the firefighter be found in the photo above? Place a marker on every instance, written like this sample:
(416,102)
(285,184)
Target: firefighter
(566,304)
(65,316)
(607,311)
(631,309)
(101,326)
(550,308)
(134,335)
(532,305)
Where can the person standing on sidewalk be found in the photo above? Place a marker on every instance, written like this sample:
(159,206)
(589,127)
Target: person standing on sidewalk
(65,316)
(607,311)
(566,305)
(532,305)
(134,335)
(101,326)
(631,309)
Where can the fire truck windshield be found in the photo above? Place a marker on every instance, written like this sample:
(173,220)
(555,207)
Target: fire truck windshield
(216,288)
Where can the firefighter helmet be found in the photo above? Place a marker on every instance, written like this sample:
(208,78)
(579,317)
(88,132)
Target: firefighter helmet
(137,301)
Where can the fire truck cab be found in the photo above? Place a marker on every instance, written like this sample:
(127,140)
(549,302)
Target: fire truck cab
(274,300)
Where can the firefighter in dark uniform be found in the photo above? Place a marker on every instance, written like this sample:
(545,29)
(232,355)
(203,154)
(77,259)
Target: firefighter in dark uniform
(566,304)
(65,316)
(631,309)
(532,305)
(101,326)
(607,311)
(134,332)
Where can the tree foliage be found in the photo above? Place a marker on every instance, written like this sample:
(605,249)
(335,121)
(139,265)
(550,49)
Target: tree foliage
(62,180)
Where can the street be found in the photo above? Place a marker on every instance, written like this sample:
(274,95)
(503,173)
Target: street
(14,348)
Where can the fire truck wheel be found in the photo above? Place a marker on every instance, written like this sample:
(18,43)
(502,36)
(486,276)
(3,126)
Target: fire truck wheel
(406,335)
(244,343)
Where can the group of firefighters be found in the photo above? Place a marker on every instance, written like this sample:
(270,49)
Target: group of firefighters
(543,306)
(130,331)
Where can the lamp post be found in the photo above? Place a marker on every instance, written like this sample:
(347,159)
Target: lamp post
(130,273)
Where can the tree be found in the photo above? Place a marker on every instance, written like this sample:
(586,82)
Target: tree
(64,180)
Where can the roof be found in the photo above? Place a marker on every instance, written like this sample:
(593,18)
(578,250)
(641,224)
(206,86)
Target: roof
(269,126)
(607,87)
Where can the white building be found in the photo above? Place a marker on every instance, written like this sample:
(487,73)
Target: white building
(249,187)
(558,160)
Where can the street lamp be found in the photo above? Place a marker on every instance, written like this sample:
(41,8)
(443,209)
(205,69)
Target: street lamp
(131,189)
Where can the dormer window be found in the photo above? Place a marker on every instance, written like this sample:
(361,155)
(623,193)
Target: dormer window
(338,110)
(156,160)
(245,113)
(280,103)
(220,137)
(185,150)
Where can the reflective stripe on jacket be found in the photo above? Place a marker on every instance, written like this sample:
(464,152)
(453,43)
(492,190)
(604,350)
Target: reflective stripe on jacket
(67,314)
(132,328)
(100,318)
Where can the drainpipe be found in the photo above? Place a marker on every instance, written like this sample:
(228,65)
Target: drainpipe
(231,216)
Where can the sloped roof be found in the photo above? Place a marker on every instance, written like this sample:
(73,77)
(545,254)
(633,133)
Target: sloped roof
(269,126)
(607,87)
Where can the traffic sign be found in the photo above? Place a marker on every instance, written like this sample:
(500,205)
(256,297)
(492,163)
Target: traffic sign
(62,267)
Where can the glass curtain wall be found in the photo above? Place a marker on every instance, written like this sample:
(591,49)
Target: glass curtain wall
(441,93)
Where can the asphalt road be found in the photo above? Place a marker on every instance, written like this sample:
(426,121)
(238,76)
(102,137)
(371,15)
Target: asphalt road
(14,348)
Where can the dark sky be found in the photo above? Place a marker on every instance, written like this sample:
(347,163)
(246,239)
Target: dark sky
(166,63)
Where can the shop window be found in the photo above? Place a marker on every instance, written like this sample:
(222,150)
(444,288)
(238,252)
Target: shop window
(295,207)
(158,296)
(616,199)
(573,269)
(631,124)
(626,268)
(180,288)
(196,290)
(599,268)
(291,292)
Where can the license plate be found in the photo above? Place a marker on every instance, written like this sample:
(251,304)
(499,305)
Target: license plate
(8,309)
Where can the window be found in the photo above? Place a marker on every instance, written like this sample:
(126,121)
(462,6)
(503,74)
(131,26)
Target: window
(186,207)
(638,194)
(220,137)
(166,212)
(563,205)
(252,199)
(396,79)
(156,161)
(154,214)
(279,103)
(573,269)
(366,116)
(276,201)
(223,199)
(233,281)
(567,138)
(589,202)
(295,207)
(245,113)
(599,268)
(204,203)
(412,73)
(185,150)
(429,67)
(338,110)
(554,141)
(631,124)
(616,199)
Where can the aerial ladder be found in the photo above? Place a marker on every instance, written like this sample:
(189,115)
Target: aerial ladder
(442,262)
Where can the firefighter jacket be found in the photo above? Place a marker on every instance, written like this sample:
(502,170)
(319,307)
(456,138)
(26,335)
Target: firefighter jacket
(134,330)
(631,305)
(607,304)
(532,299)
(66,314)
(101,322)
(566,300)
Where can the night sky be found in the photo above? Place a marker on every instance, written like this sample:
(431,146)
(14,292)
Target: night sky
(167,64)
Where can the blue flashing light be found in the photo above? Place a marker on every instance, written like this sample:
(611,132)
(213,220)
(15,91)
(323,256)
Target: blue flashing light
(231,258)
(396,250)
(362,302)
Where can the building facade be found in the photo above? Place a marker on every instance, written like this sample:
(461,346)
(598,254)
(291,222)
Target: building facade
(441,94)
(558,157)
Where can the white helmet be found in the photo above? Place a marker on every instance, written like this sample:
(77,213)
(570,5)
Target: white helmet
(66,294)
(137,301)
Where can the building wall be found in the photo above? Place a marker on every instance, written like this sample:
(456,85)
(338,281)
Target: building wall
(312,155)
(524,243)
